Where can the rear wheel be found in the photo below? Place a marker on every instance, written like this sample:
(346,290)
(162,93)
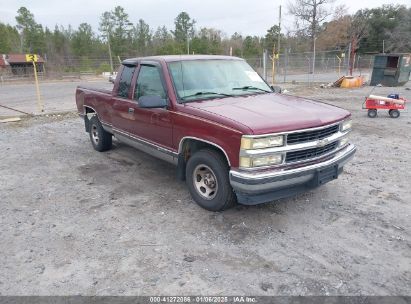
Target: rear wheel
(208,181)
(394,113)
(100,138)
(372,113)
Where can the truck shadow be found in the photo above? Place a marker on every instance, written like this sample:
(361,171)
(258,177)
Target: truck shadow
(131,178)
(150,167)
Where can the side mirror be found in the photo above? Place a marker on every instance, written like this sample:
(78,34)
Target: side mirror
(111,78)
(276,89)
(150,102)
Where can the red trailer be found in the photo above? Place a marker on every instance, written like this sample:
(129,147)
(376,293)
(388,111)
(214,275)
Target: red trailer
(393,103)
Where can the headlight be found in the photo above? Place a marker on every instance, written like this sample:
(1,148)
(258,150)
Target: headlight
(260,161)
(249,143)
(346,125)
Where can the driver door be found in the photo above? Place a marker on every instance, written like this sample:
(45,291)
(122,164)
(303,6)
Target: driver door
(153,125)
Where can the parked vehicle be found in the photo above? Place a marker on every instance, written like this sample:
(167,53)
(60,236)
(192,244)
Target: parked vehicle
(112,77)
(231,137)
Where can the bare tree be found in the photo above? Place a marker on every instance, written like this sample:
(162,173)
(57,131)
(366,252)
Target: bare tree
(340,31)
(309,16)
(358,28)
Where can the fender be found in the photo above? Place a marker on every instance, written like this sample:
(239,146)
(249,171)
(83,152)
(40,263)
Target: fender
(180,146)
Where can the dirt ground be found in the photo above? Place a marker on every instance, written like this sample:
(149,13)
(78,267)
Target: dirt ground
(75,221)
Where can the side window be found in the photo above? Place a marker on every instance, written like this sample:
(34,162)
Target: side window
(125,81)
(149,83)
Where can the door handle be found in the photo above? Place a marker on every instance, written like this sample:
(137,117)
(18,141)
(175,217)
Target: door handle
(130,110)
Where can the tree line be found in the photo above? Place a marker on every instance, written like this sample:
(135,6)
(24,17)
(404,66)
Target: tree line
(388,26)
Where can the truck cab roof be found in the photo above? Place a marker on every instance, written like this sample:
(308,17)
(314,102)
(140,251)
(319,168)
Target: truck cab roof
(172,58)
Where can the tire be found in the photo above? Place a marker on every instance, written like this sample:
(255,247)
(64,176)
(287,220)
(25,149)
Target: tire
(208,182)
(394,113)
(100,138)
(372,113)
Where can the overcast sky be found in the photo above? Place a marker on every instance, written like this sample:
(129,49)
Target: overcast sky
(249,17)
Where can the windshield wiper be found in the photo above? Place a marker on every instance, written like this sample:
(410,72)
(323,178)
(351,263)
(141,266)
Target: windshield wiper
(201,93)
(246,88)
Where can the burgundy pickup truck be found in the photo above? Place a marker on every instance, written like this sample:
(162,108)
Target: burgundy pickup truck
(232,138)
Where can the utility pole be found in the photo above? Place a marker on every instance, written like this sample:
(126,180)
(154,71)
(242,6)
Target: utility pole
(314,57)
(278,38)
(273,71)
(109,53)
(264,64)
(383,46)
(188,43)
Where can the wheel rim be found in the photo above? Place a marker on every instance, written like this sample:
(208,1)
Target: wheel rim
(205,182)
(94,134)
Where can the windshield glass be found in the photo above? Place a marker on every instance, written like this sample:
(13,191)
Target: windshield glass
(204,79)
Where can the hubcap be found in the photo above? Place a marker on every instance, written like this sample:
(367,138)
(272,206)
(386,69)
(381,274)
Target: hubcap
(205,182)
(94,134)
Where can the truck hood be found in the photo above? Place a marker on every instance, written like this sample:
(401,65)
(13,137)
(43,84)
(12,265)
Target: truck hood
(269,113)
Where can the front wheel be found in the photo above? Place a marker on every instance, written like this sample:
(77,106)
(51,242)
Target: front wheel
(372,113)
(208,181)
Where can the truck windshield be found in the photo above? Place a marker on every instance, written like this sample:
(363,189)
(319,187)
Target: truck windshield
(207,79)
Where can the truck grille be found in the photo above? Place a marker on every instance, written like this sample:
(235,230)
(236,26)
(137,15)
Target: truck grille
(301,137)
(301,155)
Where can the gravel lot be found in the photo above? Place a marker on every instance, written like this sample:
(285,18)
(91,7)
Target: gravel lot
(75,221)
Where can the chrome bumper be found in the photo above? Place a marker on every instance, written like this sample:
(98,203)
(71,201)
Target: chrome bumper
(259,187)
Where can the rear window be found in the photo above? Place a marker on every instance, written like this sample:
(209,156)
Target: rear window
(125,81)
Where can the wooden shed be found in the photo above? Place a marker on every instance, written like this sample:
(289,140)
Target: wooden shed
(16,64)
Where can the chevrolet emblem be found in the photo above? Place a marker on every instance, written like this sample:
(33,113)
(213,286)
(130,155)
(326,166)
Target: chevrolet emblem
(322,142)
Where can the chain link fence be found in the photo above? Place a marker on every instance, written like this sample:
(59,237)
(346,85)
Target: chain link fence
(60,68)
(290,67)
(299,67)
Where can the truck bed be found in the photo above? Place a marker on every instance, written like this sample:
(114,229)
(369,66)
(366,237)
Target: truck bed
(91,97)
